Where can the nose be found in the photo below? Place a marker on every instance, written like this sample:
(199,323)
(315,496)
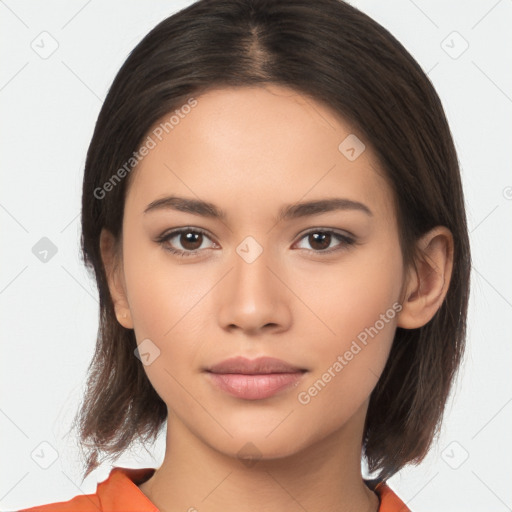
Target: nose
(254,297)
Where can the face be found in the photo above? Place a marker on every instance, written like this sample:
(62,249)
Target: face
(316,287)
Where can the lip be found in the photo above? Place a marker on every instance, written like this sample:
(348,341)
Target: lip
(260,365)
(254,379)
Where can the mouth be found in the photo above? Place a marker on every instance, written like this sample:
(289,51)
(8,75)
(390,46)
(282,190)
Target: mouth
(259,366)
(255,379)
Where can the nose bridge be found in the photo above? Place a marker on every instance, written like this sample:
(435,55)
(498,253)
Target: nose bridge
(252,278)
(253,296)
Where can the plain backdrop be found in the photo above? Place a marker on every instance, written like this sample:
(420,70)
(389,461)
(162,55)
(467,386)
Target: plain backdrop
(58,60)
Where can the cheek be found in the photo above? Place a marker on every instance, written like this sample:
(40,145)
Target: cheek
(164,296)
(358,306)
(347,368)
(350,296)
(167,303)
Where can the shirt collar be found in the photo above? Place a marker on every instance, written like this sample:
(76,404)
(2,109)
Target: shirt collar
(120,492)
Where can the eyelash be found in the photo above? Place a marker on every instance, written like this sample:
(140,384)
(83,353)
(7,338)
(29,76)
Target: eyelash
(346,241)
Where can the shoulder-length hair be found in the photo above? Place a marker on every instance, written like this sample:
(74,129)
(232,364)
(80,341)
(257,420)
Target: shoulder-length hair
(336,54)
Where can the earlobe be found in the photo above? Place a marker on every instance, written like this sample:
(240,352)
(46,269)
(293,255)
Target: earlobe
(113,271)
(429,280)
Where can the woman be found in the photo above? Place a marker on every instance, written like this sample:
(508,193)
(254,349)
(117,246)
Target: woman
(273,212)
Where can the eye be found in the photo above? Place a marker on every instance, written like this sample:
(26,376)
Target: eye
(320,240)
(191,239)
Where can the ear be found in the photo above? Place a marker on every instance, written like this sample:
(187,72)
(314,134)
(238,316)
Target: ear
(115,278)
(428,281)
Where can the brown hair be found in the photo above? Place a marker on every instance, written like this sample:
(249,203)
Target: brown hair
(336,54)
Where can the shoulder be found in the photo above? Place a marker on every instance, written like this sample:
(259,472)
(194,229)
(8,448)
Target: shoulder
(118,492)
(389,501)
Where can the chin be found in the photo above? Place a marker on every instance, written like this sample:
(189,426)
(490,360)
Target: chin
(251,446)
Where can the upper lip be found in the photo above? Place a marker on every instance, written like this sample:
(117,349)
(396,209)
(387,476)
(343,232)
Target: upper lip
(260,365)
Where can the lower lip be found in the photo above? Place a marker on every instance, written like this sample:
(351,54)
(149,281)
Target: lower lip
(254,387)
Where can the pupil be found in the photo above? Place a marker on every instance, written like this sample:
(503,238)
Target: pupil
(324,237)
(189,239)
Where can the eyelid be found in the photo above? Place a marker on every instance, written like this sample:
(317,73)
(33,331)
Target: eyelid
(176,231)
(319,229)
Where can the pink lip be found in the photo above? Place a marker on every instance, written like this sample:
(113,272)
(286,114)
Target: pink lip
(254,379)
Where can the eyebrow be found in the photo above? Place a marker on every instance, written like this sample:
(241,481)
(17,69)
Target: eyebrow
(288,212)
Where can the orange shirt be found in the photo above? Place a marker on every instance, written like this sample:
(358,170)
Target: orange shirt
(119,493)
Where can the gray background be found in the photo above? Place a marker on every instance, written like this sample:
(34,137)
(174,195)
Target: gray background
(48,309)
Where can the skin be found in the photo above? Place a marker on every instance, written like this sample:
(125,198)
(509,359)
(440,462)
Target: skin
(251,150)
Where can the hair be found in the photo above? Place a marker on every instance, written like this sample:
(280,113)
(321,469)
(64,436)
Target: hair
(337,55)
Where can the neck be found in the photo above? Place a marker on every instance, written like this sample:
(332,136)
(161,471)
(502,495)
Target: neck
(325,476)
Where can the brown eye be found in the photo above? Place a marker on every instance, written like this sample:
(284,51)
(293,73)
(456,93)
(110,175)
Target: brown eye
(191,240)
(321,241)
(184,242)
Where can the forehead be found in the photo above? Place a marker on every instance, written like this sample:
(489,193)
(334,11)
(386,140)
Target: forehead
(258,145)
